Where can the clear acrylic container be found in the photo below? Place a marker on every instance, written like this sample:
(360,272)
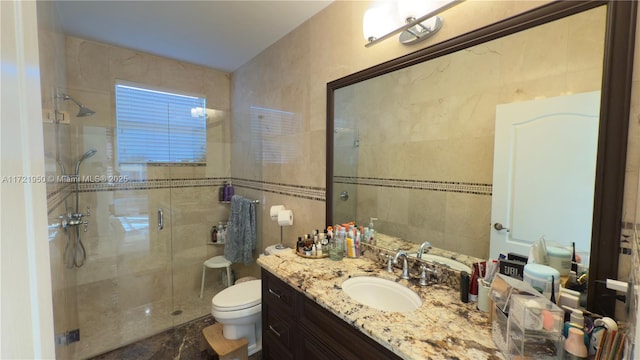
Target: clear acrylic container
(534,328)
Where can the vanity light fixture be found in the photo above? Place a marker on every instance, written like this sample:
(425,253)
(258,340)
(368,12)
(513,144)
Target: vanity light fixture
(381,20)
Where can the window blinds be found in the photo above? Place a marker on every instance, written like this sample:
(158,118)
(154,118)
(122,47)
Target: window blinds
(159,127)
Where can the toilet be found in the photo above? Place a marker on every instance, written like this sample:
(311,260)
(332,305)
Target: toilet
(239,309)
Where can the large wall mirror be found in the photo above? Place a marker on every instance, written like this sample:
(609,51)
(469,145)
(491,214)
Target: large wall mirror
(411,141)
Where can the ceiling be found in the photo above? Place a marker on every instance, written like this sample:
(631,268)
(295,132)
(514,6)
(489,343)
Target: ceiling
(222,35)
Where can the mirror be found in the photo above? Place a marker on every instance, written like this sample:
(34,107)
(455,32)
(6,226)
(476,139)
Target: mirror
(410,141)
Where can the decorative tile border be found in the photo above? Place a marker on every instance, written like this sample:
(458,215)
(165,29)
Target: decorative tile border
(301,191)
(57,193)
(446,186)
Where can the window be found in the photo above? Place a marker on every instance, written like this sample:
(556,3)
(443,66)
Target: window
(159,127)
(277,131)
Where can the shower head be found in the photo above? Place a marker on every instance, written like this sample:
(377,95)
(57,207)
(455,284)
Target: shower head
(85,156)
(83,111)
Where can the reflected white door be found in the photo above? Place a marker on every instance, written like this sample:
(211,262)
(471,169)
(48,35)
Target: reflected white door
(544,172)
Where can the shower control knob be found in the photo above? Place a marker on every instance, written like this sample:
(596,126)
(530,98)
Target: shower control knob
(64,223)
(88,211)
(86,225)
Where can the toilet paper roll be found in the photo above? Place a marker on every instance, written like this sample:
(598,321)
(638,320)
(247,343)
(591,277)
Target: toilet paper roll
(275,209)
(285,218)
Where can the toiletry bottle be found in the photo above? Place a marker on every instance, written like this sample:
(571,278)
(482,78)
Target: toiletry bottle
(343,239)
(576,320)
(464,286)
(214,234)
(300,245)
(336,248)
(574,347)
(350,243)
(574,260)
(357,242)
(372,233)
(222,191)
(220,233)
(229,192)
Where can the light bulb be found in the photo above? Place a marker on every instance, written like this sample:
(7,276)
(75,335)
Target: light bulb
(380,19)
(417,8)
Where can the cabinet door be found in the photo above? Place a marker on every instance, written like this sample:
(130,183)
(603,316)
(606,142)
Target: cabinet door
(314,349)
(273,350)
(278,323)
(343,339)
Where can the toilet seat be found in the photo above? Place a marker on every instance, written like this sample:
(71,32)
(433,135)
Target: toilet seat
(236,316)
(237,297)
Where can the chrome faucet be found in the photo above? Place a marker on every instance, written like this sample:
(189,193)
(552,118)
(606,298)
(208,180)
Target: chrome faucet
(425,245)
(405,263)
(428,275)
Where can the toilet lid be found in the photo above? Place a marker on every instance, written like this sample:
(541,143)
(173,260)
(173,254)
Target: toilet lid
(239,296)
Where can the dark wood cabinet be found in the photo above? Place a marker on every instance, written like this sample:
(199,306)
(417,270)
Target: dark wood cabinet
(295,327)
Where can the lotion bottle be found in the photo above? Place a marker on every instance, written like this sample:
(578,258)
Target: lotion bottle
(574,346)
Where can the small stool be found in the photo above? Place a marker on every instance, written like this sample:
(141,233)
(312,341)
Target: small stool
(225,348)
(216,262)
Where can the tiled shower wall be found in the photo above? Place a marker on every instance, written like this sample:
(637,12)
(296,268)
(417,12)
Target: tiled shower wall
(138,280)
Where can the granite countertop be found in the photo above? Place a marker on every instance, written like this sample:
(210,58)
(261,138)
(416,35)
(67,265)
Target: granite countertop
(443,327)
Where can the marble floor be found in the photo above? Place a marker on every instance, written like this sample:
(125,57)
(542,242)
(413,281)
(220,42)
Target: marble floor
(181,343)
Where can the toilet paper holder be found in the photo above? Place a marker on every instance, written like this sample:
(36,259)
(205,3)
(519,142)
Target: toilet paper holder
(280,214)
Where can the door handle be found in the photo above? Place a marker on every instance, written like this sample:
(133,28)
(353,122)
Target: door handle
(275,293)
(273,330)
(160,219)
(499,227)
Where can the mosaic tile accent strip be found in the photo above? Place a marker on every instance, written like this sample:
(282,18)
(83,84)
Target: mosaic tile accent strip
(150,184)
(57,193)
(300,191)
(446,186)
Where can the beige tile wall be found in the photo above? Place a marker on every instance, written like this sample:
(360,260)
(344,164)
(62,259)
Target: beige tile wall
(435,122)
(330,46)
(292,74)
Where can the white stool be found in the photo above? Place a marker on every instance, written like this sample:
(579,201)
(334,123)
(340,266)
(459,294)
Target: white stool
(216,262)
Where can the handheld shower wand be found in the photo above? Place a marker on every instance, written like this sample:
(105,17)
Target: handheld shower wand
(75,254)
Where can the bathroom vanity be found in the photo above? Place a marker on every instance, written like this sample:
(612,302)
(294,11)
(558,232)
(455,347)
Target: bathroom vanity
(307,315)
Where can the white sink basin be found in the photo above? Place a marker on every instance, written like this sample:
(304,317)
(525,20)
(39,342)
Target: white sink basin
(453,264)
(381,294)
